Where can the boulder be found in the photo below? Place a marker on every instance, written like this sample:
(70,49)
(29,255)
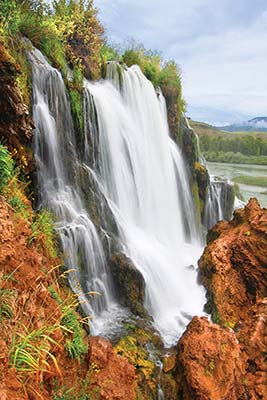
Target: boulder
(110,376)
(210,363)
(130,283)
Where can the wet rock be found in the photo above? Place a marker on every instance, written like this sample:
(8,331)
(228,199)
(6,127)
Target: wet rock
(169,361)
(202,178)
(130,283)
(209,363)
(110,376)
(134,348)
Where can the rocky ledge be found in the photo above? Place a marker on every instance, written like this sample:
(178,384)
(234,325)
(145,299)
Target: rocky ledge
(227,360)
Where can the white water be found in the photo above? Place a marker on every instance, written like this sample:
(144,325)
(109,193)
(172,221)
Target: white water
(58,165)
(142,175)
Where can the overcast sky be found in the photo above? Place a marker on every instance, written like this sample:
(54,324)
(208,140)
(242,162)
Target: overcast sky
(221,46)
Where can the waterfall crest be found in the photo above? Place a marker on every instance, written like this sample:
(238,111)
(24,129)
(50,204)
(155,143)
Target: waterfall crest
(143,178)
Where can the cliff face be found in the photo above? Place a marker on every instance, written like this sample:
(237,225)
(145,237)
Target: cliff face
(234,270)
(15,122)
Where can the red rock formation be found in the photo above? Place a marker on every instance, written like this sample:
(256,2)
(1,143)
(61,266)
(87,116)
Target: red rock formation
(215,362)
(111,377)
(234,265)
(209,363)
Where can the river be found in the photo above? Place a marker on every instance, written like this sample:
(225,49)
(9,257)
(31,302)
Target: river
(230,171)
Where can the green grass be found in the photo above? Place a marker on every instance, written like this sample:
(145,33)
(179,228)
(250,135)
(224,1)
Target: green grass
(72,327)
(251,180)
(43,230)
(6,167)
(75,345)
(30,351)
(234,158)
(8,299)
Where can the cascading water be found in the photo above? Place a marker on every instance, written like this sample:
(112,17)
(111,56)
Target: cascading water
(219,202)
(58,165)
(142,176)
(220,197)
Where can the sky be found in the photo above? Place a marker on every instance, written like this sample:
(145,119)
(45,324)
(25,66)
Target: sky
(220,45)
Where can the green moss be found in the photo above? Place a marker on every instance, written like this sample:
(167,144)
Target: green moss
(75,89)
(215,316)
(76,103)
(229,324)
(136,353)
(210,368)
(198,202)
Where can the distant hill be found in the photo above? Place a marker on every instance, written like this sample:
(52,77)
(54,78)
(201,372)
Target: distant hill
(203,129)
(238,147)
(258,124)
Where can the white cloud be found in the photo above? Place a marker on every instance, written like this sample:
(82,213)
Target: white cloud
(221,46)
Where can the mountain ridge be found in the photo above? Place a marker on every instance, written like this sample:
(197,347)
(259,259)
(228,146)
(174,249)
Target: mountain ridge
(256,124)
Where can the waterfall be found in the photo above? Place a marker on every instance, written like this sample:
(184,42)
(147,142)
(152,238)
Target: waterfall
(58,168)
(221,198)
(142,175)
(219,203)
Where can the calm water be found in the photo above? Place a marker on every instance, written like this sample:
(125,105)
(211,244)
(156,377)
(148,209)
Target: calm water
(229,171)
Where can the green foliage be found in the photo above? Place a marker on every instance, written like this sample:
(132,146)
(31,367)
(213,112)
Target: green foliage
(215,316)
(19,206)
(43,34)
(230,324)
(6,167)
(251,180)
(75,345)
(31,351)
(10,186)
(8,299)
(72,327)
(166,76)
(109,53)
(235,148)
(43,231)
(171,83)
(9,18)
(78,27)
(234,158)
(148,61)
(75,87)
